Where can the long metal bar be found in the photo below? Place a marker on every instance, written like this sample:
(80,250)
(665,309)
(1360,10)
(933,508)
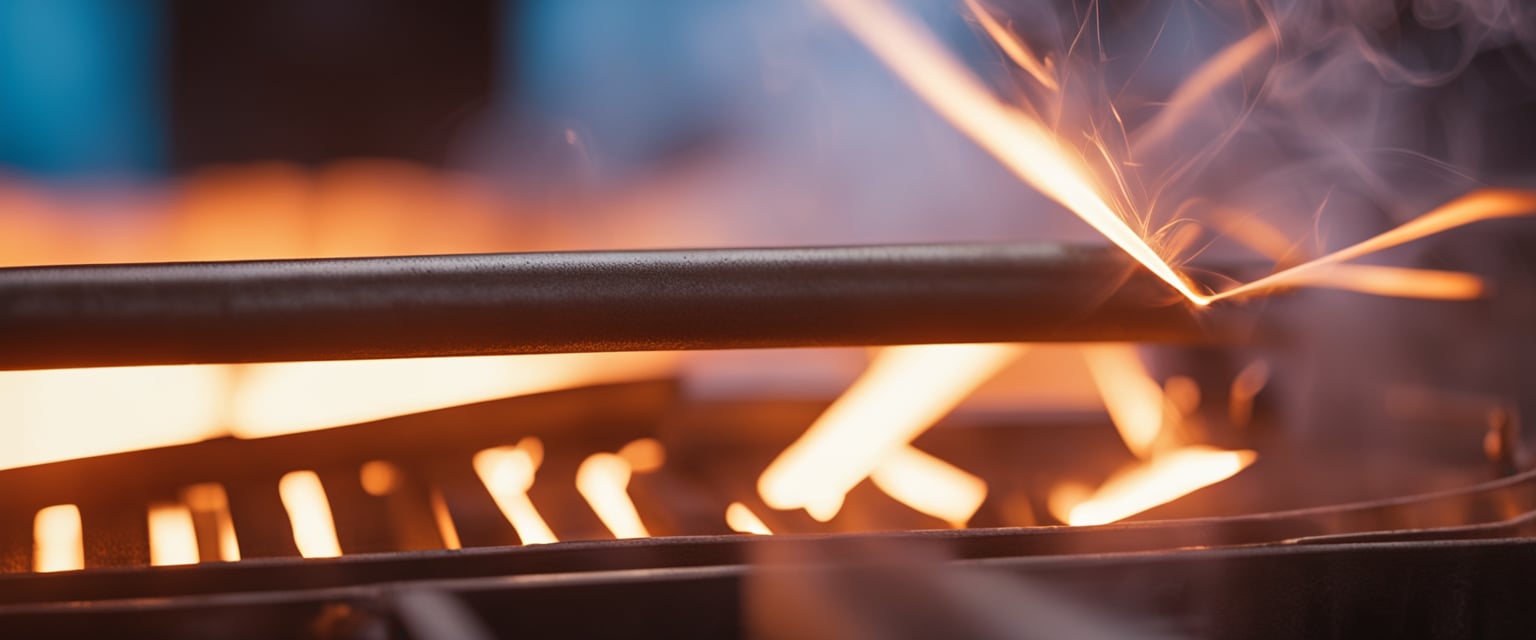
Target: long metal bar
(174,313)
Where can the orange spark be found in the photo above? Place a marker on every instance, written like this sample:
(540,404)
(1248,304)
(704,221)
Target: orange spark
(903,393)
(1017,139)
(603,479)
(1487,204)
(1013,47)
(1201,84)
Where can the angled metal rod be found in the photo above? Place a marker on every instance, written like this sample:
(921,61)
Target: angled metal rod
(285,310)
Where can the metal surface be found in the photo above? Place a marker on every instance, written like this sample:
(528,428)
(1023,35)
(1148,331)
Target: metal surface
(78,316)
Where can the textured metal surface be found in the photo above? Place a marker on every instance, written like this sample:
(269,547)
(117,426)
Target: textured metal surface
(53,317)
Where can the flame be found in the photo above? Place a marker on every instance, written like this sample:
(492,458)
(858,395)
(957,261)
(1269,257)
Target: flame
(314,531)
(1160,480)
(741,520)
(209,501)
(930,485)
(58,545)
(445,527)
(172,538)
(1135,402)
(903,393)
(1021,142)
(508,474)
(603,479)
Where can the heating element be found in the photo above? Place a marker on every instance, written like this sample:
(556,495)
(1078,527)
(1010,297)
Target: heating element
(432,556)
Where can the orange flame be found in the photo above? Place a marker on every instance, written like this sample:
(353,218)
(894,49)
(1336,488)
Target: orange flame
(508,473)
(930,485)
(1160,480)
(741,520)
(57,541)
(172,538)
(1135,402)
(314,531)
(903,393)
(603,479)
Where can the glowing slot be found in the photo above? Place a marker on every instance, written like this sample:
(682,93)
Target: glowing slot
(57,543)
(903,393)
(508,474)
(445,527)
(208,502)
(1136,404)
(1155,482)
(742,520)
(310,514)
(931,486)
(172,538)
(603,479)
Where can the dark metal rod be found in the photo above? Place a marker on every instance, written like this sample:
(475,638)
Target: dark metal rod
(172,313)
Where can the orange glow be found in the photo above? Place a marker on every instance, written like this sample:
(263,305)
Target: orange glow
(314,531)
(644,455)
(930,485)
(1247,384)
(1014,48)
(1158,481)
(281,398)
(70,413)
(903,393)
(445,527)
(56,538)
(603,479)
(172,538)
(508,473)
(1018,140)
(1135,402)
(742,520)
(379,478)
(1487,204)
(209,500)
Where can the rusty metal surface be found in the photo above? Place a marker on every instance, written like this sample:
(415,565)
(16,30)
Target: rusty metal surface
(175,313)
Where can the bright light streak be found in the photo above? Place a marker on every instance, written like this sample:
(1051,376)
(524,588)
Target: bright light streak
(314,531)
(57,541)
(1201,84)
(1014,48)
(172,538)
(930,485)
(1157,481)
(1015,138)
(1136,404)
(603,479)
(508,474)
(742,520)
(282,398)
(61,414)
(445,527)
(903,393)
(1487,204)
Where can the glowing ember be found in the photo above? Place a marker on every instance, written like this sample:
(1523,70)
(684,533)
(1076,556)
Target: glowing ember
(1157,481)
(930,485)
(314,531)
(172,538)
(508,474)
(603,479)
(644,455)
(1135,402)
(903,393)
(58,545)
(742,520)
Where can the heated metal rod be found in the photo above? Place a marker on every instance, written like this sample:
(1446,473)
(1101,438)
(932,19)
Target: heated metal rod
(285,310)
